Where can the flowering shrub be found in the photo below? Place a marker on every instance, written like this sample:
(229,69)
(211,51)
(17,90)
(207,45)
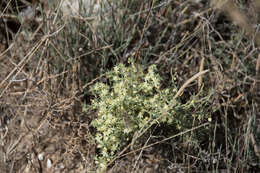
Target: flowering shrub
(131,102)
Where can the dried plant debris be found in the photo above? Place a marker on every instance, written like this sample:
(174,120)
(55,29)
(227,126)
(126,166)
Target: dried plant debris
(53,52)
(238,16)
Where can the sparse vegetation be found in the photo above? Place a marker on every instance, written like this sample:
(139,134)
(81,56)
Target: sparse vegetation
(129,86)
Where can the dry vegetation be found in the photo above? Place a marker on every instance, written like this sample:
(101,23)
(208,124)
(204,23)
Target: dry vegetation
(48,62)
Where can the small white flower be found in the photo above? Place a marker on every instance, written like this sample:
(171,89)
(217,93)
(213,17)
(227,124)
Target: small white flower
(127,130)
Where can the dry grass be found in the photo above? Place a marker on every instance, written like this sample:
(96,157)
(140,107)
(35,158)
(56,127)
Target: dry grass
(48,63)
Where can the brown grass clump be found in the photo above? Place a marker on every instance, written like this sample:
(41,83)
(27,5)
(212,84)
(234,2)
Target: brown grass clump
(48,63)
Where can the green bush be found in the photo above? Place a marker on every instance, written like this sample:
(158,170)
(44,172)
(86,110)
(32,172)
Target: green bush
(131,101)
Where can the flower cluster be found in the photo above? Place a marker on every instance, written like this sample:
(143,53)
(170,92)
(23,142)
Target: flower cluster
(130,101)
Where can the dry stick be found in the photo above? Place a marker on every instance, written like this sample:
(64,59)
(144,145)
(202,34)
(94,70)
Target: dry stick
(24,61)
(144,29)
(5,9)
(226,141)
(257,64)
(2,54)
(27,58)
(140,154)
(51,77)
(152,8)
(94,80)
(9,16)
(166,139)
(201,69)
(257,69)
(254,145)
(188,82)
(163,114)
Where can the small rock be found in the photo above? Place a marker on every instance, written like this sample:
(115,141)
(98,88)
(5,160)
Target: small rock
(40,157)
(48,164)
